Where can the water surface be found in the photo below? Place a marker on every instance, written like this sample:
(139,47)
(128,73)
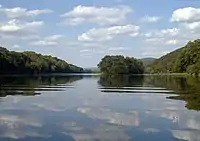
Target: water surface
(94,108)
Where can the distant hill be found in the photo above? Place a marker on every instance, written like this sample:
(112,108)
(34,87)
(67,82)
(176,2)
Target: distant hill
(147,61)
(92,70)
(29,62)
(182,60)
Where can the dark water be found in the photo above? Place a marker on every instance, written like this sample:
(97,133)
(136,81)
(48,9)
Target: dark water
(93,108)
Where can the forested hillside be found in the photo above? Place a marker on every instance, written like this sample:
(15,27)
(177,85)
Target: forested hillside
(183,60)
(165,64)
(32,63)
(189,59)
(120,65)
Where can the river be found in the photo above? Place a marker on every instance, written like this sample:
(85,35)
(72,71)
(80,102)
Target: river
(99,108)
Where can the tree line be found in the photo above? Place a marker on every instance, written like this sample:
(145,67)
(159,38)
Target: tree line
(119,64)
(29,62)
(183,60)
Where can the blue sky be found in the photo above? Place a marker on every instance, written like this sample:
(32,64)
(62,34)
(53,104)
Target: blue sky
(83,31)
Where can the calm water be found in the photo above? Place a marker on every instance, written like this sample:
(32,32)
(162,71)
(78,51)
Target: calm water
(94,108)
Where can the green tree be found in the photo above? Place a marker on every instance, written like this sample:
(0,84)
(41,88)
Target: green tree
(189,59)
(183,60)
(30,62)
(120,65)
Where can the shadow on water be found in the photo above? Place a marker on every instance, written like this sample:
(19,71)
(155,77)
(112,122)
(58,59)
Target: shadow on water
(187,88)
(30,86)
(184,88)
(120,81)
(129,84)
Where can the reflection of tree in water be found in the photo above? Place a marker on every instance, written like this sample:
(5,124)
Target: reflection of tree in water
(170,82)
(187,88)
(120,81)
(30,86)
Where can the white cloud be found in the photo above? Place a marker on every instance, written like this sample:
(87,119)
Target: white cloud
(117,49)
(187,14)
(148,35)
(193,123)
(31,37)
(150,19)
(18,12)
(98,15)
(173,36)
(9,28)
(54,37)
(111,117)
(189,22)
(192,26)
(170,36)
(14,31)
(52,40)
(89,52)
(92,44)
(171,42)
(15,127)
(151,39)
(44,43)
(15,25)
(105,34)
(38,12)
(16,46)
(19,24)
(169,32)
(85,50)
(160,42)
(186,135)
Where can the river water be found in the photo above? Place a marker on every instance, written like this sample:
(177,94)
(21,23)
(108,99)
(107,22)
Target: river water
(99,108)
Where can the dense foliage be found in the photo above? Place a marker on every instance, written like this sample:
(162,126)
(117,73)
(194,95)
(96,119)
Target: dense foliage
(120,65)
(32,63)
(183,60)
(165,64)
(188,60)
